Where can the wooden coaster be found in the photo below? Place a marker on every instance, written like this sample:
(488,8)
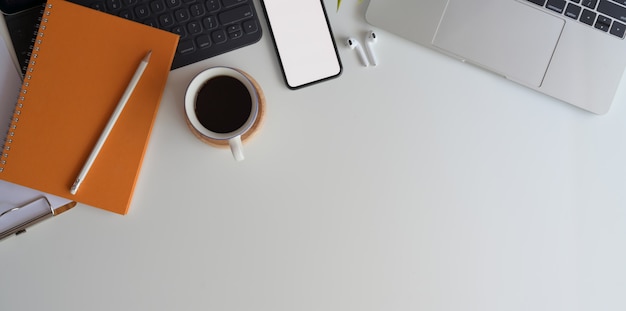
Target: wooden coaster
(247,135)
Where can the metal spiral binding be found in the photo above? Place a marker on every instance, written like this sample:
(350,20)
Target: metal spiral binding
(27,77)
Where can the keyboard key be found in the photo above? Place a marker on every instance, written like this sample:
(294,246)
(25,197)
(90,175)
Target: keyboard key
(236,15)
(173,3)
(229,3)
(194,27)
(181,15)
(213,5)
(114,5)
(618,29)
(196,10)
(605,20)
(180,30)
(219,36)
(556,5)
(98,6)
(572,11)
(142,11)
(234,31)
(126,14)
(157,6)
(250,26)
(186,47)
(151,22)
(203,41)
(590,3)
(622,2)
(613,10)
(603,23)
(210,22)
(166,20)
(538,2)
(588,17)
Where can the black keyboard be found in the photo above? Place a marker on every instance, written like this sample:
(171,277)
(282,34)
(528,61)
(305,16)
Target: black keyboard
(604,15)
(206,27)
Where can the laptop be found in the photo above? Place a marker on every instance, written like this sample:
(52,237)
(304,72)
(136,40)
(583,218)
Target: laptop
(572,50)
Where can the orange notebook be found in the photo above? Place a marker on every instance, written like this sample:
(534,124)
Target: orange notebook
(81,64)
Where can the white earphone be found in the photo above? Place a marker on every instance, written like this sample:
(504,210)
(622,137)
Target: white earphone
(354,44)
(369,45)
(369,42)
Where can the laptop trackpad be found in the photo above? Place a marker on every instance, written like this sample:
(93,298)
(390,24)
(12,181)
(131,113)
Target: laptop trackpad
(504,36)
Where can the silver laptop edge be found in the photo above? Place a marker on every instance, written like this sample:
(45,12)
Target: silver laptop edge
(531,45)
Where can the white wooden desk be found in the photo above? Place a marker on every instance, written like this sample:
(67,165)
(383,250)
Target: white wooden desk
(422,184)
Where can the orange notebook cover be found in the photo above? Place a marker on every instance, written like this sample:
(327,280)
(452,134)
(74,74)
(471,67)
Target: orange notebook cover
(81,64)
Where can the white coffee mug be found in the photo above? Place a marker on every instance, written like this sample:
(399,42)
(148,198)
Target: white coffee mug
(222,105)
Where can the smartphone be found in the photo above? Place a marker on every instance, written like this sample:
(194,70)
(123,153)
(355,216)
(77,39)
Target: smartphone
(304,42)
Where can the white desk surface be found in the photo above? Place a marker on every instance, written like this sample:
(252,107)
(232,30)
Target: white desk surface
(422,184)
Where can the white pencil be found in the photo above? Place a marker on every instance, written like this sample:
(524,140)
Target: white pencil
(107,130)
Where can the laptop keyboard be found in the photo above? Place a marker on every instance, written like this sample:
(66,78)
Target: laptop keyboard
(605,15)
(206,27)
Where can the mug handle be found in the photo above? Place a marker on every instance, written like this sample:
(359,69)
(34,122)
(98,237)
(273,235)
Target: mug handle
(236,147)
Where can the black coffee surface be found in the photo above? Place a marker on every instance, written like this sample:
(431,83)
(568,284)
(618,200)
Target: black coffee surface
(223,104)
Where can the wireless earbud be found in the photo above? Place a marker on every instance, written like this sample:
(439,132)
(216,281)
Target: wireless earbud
(369,42)
(354,44)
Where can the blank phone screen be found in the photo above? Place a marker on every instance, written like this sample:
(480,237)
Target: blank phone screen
(303,40)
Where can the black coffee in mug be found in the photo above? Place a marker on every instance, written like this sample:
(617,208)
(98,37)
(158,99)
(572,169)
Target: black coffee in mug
(223,104)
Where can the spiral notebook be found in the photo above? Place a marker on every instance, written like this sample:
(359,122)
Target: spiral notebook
(13,196)
(82,62)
